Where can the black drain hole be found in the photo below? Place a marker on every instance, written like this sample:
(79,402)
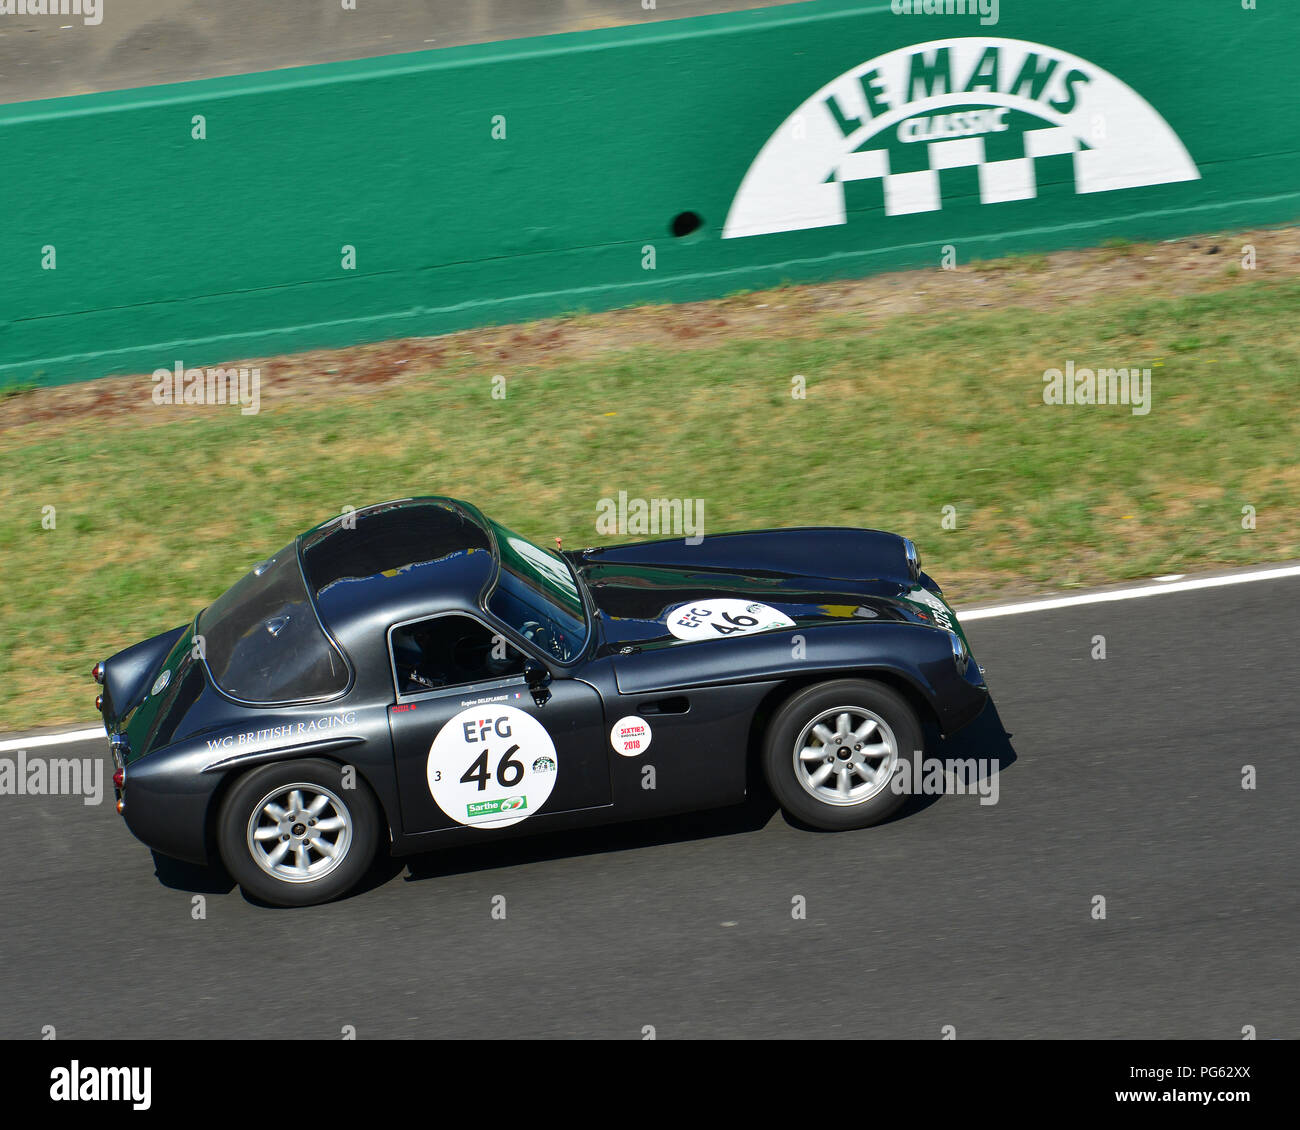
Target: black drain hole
(684,223)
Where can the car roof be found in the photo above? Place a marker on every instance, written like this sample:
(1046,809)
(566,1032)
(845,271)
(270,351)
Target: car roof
(398,559)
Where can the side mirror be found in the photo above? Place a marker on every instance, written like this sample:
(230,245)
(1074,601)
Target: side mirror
(538,679)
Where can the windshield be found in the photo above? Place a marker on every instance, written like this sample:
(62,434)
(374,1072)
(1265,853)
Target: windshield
(262,641)
(537,595)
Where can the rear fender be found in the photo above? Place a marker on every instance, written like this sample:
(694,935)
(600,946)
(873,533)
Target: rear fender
(130,673)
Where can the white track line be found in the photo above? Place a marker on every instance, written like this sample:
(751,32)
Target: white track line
(53,739)
(1125,594)
(989,613)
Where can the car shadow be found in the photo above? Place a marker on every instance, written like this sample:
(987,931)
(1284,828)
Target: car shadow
(195,878)
(986,741)
(750,816)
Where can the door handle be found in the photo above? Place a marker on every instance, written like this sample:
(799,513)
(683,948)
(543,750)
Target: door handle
(676,704)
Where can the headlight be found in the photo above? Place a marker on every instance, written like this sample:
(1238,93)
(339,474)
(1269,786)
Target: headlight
(960,656)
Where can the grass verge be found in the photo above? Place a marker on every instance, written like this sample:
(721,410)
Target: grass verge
(157,510)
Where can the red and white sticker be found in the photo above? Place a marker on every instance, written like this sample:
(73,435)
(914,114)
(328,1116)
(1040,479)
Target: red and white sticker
(631,736)
(492,766)
(724,616)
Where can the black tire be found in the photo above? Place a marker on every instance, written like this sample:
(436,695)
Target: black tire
(246,799)
(799,711)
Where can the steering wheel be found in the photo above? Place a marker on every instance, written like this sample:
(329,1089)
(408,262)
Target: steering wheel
(536,632)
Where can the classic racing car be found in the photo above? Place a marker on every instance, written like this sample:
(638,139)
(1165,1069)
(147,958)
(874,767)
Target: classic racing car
(414,675)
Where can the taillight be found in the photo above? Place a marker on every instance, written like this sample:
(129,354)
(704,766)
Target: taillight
(119,778)
(97,672)
(99,703)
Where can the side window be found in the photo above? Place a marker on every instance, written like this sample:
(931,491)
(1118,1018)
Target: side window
(448,650)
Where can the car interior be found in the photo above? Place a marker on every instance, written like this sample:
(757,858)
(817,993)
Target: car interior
(447,651)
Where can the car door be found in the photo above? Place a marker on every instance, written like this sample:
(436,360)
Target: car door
(476,749)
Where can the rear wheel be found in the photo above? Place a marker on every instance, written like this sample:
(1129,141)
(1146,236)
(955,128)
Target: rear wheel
(831,752)
(292,835)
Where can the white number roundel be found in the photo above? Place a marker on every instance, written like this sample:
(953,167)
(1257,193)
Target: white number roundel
(724,616)
(492,766)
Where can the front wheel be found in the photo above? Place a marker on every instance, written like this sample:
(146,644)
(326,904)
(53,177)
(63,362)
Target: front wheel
(832,749)
(290,834)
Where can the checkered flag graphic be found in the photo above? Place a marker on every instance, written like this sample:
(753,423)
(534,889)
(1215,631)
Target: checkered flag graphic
(918,191)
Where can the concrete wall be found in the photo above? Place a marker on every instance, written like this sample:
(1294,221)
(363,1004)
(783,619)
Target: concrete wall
(144,42)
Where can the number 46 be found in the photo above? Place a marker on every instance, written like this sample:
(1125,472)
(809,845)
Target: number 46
(506,767)
(737,622)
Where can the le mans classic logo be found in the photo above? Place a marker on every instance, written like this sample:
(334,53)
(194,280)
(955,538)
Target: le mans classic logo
(1002,107)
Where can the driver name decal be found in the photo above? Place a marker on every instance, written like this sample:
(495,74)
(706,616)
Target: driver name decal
(724,616)
(491,766)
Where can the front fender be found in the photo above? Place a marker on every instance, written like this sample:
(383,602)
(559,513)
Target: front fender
(919,654)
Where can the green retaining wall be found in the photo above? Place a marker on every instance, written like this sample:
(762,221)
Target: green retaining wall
(810,141)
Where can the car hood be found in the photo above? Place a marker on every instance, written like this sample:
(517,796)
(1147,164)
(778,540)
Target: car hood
(644,593)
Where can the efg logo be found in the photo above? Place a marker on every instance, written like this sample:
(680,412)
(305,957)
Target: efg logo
(1008,113)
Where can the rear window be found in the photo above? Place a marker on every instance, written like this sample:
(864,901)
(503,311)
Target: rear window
(263,642)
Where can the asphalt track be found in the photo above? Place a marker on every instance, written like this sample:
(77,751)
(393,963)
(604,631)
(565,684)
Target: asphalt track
(1121,777)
